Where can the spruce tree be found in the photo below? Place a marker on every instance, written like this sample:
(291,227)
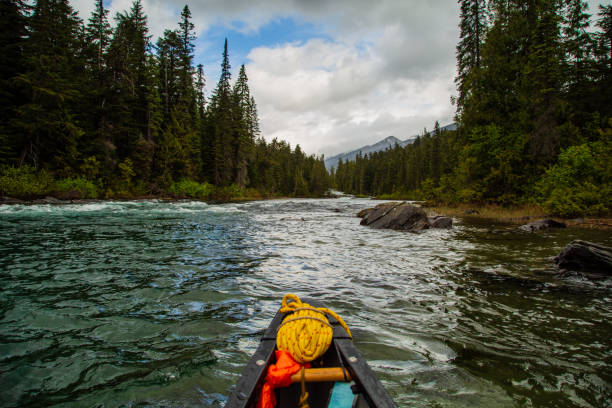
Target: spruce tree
(472,30)
(604,62)
(169,54)
(187,37)
(97,40)
(219,135)
(542,85)
(130,111)
(12,63)
(52,81)
(243,136)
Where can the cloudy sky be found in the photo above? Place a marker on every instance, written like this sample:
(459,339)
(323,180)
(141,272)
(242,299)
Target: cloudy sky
(329,75)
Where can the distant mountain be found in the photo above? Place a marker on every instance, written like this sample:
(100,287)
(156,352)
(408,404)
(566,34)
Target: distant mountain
(386,143)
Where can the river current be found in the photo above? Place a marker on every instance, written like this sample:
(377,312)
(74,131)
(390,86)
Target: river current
(151,303)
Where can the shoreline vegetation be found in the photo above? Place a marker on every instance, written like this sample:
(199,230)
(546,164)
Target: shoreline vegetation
(27,185)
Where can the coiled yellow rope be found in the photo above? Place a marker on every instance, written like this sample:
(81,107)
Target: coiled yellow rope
(305,333)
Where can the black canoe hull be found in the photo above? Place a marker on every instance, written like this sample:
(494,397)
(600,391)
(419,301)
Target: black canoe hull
(370,392)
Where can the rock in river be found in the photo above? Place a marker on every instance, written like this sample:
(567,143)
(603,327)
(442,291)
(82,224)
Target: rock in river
(440,221)
(366,211)
(541,225)
(401,216)
(585,256)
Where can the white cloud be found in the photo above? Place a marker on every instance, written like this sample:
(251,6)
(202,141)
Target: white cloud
(329,97)
(387,68)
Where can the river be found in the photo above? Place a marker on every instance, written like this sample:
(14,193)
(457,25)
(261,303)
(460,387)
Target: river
(150,303)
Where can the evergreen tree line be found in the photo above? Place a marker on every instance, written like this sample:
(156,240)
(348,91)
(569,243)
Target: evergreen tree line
(534,115)
(402,172)
(101,110)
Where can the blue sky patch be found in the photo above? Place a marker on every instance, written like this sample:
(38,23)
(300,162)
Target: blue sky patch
(209,45)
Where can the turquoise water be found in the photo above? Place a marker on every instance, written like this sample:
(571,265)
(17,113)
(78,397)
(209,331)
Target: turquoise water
(148,303)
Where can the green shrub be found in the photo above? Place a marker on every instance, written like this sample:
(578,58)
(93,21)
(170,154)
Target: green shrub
(192,189)
(78,187)
(24,182)
(253,193)
(580,183)
(227,193)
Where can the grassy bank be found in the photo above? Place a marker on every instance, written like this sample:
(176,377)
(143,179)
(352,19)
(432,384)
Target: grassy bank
(516,215)
(491,211)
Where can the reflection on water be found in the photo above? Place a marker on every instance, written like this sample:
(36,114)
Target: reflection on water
(161,304)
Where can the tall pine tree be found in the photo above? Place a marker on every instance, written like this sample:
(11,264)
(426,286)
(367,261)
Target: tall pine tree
(52,81)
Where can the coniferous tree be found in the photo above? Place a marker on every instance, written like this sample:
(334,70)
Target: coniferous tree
(169,56)
(12,42)
(187,37)
(97,40)
(472,30)
(52,81)
(199,89)
(543,81)
(219,127)
(604,62)
(243,133)
(605,23)
(129,109)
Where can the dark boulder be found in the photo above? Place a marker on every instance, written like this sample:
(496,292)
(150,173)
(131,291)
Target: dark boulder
(585,256)
(440,221)
(402,216)
(365,212)
(541,225)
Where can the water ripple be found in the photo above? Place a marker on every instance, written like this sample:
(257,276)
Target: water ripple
(153,303)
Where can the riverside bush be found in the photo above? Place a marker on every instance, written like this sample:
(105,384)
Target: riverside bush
(227,193)
(78,187)
(192,189)
(24,182)
(580,183)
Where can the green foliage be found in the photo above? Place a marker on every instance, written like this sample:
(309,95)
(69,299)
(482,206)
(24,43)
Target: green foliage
(78,187)
(227,193)
(24,182)
(192,189)
(580,183)
(126,168)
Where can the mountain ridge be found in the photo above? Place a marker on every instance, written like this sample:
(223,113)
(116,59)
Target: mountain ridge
(384,144)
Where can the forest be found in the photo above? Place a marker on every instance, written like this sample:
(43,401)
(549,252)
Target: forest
(97,110)
(533,113)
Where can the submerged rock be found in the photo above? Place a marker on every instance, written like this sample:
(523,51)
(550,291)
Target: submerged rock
(440,221)
(401,216)
(541,225)
(585,256)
